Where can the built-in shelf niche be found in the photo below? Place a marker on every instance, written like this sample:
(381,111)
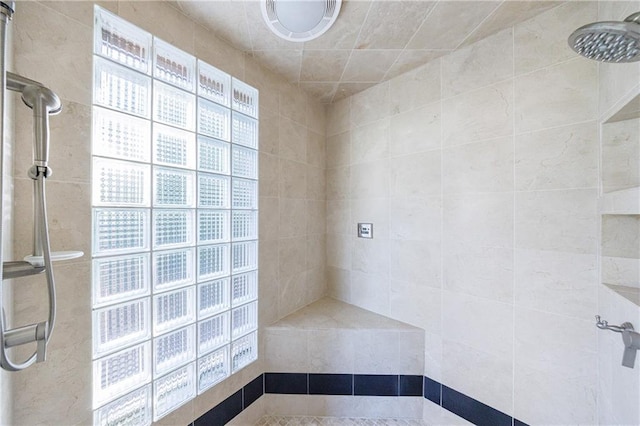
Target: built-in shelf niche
(620,202)
(632,294)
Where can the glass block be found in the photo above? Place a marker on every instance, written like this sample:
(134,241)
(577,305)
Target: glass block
(244,288)
(173,390)
(173,187)
(118,40)
(120,88)
(173,65)
(173,106)
(244,162)
(133,409)
(213,120)
(120,278)
(244,131)
(120,325)
(120,183)
(213,191)
(245,256)
(213,262)
(244,351)
(214,84)
(244,194)
(173,147)
(173,269)
(120,135)
(244,225)
(213,155)
(213,368)
(174,309)
(173,228)
(244,319)
(173,350)
(120,231)
(213,226)
(213,297)
(213,333)
(121,372)
(244,98)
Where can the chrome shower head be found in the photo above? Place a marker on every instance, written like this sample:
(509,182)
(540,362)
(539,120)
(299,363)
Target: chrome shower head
(609,41)
(43,102)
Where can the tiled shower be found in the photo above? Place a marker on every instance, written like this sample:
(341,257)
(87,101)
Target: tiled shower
(481,173)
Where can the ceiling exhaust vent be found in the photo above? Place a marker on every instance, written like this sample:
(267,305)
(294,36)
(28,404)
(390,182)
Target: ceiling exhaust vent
(300,20)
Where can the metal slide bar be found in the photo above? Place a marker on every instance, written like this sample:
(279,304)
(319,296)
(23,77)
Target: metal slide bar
(6,11)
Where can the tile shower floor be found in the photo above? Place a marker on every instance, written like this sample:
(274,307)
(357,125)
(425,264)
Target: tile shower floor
(334,421)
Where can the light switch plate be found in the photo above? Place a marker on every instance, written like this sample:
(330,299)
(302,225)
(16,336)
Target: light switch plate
(365,230)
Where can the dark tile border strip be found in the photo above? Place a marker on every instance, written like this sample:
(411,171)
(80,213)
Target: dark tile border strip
(432,390)
(356,384)
(376,385)
(411,385)
(288,383)
(466,407)
(252,391)
(472,410)
(330,384)
(222,413)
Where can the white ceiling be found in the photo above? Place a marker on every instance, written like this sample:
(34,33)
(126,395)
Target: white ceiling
(370,42)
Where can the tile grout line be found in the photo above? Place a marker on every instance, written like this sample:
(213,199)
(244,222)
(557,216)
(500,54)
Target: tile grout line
(442,235)
(513,243)
(599,258)
(405,48)
(477,27)
(355,42)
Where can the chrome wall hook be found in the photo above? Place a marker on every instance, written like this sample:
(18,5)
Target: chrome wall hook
(630,339)
(604,325)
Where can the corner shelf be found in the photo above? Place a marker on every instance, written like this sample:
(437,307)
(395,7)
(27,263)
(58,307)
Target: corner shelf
(622,202)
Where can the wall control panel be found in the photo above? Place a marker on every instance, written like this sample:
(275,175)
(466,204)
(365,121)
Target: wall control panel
(365,230)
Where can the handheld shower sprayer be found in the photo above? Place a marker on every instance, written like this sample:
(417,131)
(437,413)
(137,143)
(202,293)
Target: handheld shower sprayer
(43,102)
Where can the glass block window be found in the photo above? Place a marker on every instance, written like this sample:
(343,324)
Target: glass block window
(175,225)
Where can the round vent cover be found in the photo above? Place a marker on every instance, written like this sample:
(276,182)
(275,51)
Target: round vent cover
(300,20)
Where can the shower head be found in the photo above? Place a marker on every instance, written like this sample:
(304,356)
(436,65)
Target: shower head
(609,41)
(43,102)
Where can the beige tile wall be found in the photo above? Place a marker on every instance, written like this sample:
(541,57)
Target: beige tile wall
(480,175)
(481,186)
(53,44)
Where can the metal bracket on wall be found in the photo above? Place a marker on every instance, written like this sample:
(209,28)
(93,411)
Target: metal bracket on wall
(630,338)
